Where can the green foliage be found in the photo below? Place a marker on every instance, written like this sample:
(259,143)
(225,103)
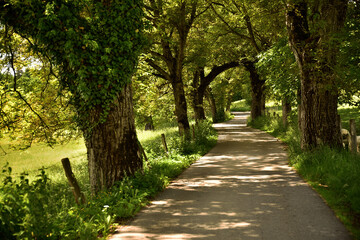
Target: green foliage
(95,44)
(279,66)
(349,58)
(32,105)
(333,173)
(43,207)
(203,140)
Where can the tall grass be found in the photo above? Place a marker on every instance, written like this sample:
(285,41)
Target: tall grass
(333,173)
(40,205)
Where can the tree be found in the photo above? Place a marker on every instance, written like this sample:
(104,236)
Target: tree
(32,108)
(312,29)
(172,22)
(279,66)
(245,19)
(95,45)
(201,82)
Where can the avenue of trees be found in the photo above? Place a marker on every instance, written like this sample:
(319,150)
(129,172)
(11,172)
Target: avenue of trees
(74,67)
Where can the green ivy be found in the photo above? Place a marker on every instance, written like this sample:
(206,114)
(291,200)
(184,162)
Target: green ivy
(95,44)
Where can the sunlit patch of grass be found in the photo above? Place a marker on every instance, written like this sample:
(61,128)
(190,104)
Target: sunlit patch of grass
(240,106)
(40,155)
(40,205)
(346,113)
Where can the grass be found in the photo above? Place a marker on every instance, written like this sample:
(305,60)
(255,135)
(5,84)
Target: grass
(333,173)
(346,113)
(40,155)
(40,205)
(240,106)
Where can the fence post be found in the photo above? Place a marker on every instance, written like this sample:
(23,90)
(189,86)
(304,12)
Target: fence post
(163,140)
(72,181)
(353,136)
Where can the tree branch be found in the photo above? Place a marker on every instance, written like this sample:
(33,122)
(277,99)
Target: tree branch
(233,30)
(159,69)
(215,71)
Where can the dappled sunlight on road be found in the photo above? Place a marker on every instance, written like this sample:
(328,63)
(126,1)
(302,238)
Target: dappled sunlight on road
(242,189)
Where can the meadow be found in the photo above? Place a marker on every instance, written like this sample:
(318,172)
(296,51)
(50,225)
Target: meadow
(37,203)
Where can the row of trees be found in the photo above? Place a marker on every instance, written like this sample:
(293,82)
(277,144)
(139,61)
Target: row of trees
(89,50)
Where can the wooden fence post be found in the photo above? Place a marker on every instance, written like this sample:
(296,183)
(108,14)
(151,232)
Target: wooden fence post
(163,140)
(72,181)
(353,136)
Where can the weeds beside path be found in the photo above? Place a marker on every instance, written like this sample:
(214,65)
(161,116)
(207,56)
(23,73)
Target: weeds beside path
(242,189)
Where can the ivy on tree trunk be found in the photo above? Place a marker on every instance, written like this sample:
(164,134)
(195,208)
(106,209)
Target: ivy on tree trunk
(95,45)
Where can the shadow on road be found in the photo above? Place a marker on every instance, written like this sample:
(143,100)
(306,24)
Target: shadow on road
(242,189)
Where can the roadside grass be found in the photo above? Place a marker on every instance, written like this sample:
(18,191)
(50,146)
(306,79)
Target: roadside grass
(39,204)
(240,106)
(333,173)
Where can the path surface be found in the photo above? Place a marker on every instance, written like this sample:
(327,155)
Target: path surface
(242,189)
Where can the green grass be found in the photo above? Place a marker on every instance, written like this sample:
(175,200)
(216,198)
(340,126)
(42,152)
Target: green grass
(40,155)
(240,106)
(333,173)
(346,113)
(41,206)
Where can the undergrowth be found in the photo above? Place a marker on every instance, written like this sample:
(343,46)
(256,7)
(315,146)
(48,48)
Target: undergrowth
(45,209)
(333,173)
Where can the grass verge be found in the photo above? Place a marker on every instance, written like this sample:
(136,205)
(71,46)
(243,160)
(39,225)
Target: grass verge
(333,173)
(240,106)
(44,208)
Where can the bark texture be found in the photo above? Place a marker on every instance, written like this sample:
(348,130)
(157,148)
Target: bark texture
(112,147)
(212,102)
(257,90)
(315,51)
(286,109)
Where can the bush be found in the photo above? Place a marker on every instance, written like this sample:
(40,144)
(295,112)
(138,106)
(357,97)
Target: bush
(43,209)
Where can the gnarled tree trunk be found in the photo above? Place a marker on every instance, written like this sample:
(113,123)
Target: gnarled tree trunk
(112,147)
(315,51)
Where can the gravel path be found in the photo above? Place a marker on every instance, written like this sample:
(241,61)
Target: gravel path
(242,189)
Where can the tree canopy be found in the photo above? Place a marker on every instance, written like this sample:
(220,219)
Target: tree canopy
(66,62)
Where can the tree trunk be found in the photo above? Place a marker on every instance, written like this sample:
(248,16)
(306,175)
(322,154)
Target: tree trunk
(286,109)
(198,100)
(257,90)
(298,96)
(315,53)
(198,96)
(201,82)
(228,101)
(180,106)
(212,102)
(112,147)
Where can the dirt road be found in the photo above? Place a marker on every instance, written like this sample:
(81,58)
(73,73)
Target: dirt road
(242,189)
